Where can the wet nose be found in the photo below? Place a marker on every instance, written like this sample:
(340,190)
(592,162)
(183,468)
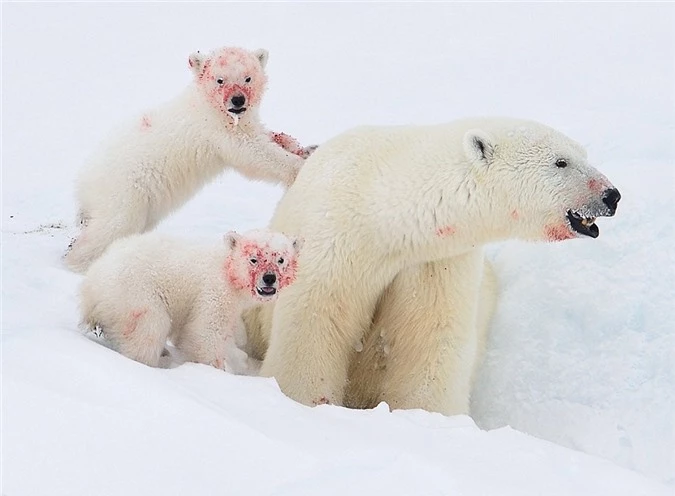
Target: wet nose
(238,101)
(611,199)
(269,278)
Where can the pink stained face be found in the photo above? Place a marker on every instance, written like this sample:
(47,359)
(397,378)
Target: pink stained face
(596,186)
(559,232)
(261,269)
(232,79)
(580,222)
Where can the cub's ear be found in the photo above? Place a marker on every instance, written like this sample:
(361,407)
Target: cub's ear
(262,55)
(479,146)
(197,61)
(297,243)
(231,238)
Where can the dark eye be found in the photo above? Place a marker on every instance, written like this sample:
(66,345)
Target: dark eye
(561,163)
(253,261)
(220,81)
(281,260)
(248,79)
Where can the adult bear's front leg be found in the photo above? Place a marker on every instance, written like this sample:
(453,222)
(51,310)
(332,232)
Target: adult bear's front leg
(426,338)
(317,323)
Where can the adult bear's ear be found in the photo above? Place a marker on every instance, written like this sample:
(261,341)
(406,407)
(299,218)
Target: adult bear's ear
(479,146)
(197,61)
(231,238)
(262,55)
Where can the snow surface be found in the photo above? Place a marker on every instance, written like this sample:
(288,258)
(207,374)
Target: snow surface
(582,349)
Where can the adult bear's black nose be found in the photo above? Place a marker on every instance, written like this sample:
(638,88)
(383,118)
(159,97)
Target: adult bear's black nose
(269,278)
(238,101)
(611,199)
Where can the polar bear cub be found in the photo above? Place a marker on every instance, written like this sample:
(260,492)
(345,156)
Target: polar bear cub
(148,288)
(163,157)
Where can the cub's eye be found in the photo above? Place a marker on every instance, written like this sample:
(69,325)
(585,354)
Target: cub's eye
(561,163)
(248,79)
(220,81)
(281,260)
(253,261)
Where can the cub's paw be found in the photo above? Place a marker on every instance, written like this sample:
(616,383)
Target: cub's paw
(308,150)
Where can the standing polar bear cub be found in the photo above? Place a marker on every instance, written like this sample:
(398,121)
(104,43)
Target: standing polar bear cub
(161,159)
(392,296)
(148,288)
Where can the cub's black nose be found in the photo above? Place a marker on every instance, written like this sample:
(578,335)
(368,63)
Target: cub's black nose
(269,278)
(611,199)
(238,101)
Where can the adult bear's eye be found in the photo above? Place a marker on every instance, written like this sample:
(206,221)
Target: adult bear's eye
(248,79)
(561,163)
(281,260)
(220,81)
(253,261)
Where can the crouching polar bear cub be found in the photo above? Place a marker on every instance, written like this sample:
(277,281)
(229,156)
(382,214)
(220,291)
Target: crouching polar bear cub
(148,288)
(392,296)
(162,158)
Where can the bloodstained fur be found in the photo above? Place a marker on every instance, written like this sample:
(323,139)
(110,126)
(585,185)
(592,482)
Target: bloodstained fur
(267,261)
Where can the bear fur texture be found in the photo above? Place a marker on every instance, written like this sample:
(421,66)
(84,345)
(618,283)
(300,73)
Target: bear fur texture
(393,296)
(148,288)
(161,159)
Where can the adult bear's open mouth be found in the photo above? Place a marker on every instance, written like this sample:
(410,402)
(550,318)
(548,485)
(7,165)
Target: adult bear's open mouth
(583,225)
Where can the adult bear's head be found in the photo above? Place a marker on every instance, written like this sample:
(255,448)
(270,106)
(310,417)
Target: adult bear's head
(541,179)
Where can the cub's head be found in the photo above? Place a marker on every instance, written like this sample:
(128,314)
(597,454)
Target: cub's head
(540,181)
(232,79)
(261,262)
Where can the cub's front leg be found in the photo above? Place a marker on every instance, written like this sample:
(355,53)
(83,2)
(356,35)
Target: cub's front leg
(208,333)
(241,362)
(290,144)
(257,157)
(211,336)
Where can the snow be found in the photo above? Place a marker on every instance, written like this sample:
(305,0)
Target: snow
(582,348)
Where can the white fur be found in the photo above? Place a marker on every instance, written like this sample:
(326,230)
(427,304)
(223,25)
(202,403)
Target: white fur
(148,288)
(161,159)
(393,297)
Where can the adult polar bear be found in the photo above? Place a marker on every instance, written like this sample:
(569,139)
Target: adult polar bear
(391,295)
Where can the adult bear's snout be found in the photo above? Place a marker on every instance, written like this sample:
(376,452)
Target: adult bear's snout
(611,199)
